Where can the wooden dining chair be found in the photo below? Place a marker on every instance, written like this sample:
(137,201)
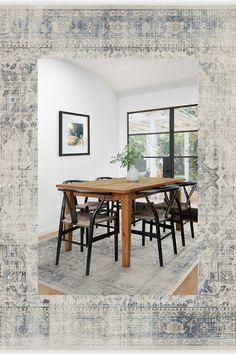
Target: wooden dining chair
(182,210)
(85,220)
(158,219)
(86,203)
(115,204)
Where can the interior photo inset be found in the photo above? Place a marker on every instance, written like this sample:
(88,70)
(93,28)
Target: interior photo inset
(118,176)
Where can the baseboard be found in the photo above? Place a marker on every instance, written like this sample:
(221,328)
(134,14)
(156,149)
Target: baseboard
(46,230)
(45,236)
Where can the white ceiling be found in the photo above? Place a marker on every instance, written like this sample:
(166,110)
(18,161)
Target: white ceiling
(132,76)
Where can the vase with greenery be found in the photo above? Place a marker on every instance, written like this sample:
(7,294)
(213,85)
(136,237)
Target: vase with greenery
(128,157)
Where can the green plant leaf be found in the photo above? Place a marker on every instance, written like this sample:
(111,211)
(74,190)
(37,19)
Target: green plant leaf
(129,155)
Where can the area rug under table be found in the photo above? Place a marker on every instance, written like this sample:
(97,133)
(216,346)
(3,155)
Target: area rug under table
(108,277)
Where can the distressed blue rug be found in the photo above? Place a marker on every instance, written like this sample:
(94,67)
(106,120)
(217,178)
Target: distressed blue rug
(108,277)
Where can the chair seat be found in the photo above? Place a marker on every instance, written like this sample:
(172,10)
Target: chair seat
(90,205)
(174,206)
(147,214)
(84,219)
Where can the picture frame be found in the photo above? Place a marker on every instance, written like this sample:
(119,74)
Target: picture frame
(74,134)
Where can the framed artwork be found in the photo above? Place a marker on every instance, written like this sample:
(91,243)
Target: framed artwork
(74,134)
(32,321)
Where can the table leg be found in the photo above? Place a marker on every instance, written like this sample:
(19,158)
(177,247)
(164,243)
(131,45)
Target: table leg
(126,213)
(68,246)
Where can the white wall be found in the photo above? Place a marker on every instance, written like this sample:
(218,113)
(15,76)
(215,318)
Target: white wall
(160,99)
(64,86)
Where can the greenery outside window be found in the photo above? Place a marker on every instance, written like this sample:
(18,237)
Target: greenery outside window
(168,139)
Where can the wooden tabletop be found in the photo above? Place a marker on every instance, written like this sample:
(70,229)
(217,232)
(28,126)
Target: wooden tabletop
(121,185)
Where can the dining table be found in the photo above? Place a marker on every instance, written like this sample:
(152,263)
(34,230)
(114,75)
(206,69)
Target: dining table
(124,191)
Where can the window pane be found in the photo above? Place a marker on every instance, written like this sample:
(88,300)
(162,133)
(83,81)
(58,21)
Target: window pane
(149,122)
(152,145)
(151,167)
(186,168)
(186,144)
(186,118)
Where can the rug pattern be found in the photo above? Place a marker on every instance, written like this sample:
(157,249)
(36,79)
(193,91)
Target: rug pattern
(108,277)
(117,321)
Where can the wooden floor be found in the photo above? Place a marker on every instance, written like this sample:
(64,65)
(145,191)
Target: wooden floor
(188,286)
(45,290)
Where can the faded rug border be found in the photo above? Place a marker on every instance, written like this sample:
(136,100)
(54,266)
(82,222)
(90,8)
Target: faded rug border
(29,321)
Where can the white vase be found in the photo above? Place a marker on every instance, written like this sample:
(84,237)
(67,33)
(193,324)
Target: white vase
(133,174)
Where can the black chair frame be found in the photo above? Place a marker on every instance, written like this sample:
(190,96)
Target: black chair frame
(90,239)
(156,222)
(179,215)
(115,204)
(68,181)
(105,206)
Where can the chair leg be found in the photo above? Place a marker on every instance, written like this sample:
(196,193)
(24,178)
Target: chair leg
(82,239)
(191,222)
(108,227)
(173,236)
(133,208)
(97,224)
(143,230)
(59,238)
(180,221)
(182,232)
(151,230)
(86,235)
(118,213)
(89,251)
(108,222)
(164,227)
(159,246)
(116,224)
(116,246)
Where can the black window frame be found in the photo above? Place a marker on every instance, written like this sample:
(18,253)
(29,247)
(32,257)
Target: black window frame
(171,133)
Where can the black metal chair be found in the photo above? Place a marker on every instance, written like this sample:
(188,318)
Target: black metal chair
(115,204)
(85,220)
(182,210)
(157,218)
(88,205)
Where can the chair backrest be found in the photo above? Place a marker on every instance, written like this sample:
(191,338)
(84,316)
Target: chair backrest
(188,191)
(101,178)
(72,205)
(74,180)
(68,181)
(170,195)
